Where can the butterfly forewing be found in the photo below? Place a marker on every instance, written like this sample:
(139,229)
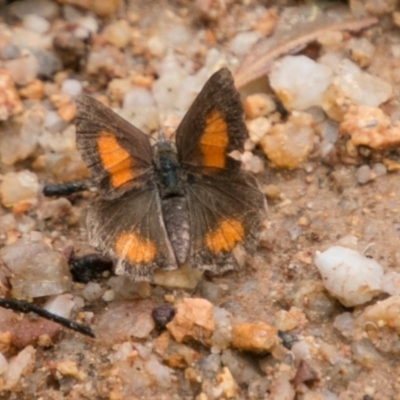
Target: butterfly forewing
(118,155)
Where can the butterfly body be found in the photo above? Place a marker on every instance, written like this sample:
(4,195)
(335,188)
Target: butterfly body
(178,203)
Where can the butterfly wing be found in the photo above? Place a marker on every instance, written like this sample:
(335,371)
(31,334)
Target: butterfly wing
(118,155)
(132,230)
(126,221)
(225,204)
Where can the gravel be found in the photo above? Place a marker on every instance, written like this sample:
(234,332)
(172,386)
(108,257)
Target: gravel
(315,313)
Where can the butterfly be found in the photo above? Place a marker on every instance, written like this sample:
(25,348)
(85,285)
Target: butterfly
(171,204)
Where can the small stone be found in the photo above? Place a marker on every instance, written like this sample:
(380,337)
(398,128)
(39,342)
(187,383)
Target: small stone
(71,87)
(258,128)
(184,277)
(47,9)
(33,91)
(344,323)
(23,70)
(118,33)
(56,210)
(241,365)
(122,320)
(265,24)
(352,86)
(361,51)
(271,191)
(348,276)
(288,144)
(125,289)
(108,62)
(17,187)
(256,337)
(289,320)
(365,174)
(163,314)
(67,112)
(36,269)
(258,105)
(379,169)
(18,365)
(92,291)
(175,355)
(226,385)
(368,126)
(193,320)
(35,23)
(108,296)
(289,77)
(381,322)
(243,42)
(69,368)
(222,336)
(10,103)
(104,8)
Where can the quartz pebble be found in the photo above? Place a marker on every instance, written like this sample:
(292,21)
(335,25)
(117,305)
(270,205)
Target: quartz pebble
(194,319)
(18,187)
(256,337)
(35,23)
(348,276)
(175,355)
(36,269)
(123,320)
(369,126)
(10,103)
(288,144)
(352,86)
(19,364)
(258,105)
(23,70)
(290,79)
(72,87)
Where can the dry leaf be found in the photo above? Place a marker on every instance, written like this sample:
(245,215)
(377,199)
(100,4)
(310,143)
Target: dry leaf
(297,27)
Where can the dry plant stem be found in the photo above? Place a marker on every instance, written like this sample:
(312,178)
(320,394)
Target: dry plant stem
(24,307)
(257,64)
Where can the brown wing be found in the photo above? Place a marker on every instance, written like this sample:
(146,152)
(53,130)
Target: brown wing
(225,204)
(118,155)
(213,127)
(225,211)
(131,229)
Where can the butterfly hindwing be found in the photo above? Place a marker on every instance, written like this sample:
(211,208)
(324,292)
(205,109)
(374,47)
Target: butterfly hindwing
(131,229)
(118,155)
(222,218)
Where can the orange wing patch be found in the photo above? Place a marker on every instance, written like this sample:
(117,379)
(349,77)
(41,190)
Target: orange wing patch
(214,140)
(135,249)
(115,159)
(225,236)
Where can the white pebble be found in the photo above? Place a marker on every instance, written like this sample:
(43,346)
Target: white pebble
(35,23)
(344,323)
(108,296)
(349,276)
(71,87)
(92,291)
(61,305)
(138,96)
(290,79)
(18,186)
(243,42)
